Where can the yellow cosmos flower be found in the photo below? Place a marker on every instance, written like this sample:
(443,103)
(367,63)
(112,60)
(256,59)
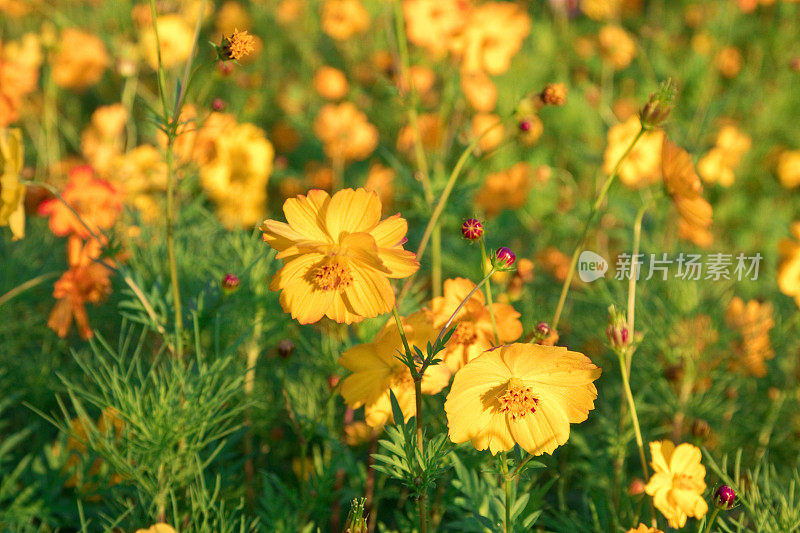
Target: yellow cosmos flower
(376,371)
(337,256)
(474,334)
(677,483)
(525,394)
(789,269)
(642,166)
(12,191)
(644,529)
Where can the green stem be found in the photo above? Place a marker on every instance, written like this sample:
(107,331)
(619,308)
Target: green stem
(173,265)
(584,234)
(22,287)
(507,483)
(634,417)
(637,237)
(710,523)
(489,301)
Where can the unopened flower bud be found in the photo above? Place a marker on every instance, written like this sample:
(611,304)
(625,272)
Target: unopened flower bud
(617,330)
(524,126)
(285,348)
(725,498)
(224,68)
(230,282)
(658,106)
(472,229)
(333,380)
(356,522)
(554,94)
(218,104)
(505,256)
(636,487)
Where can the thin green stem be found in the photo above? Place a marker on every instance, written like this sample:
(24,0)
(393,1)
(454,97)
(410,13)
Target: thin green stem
(489,301)
(173,265)
(507,484)
(162,83)
(710,523)
(587,226)
(463,302)
(27,285)
(637,237)
(634,417)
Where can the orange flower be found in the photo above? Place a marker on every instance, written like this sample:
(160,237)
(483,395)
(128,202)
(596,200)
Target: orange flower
(341,19)
(616,46)
(474,334)
(432,24)
(337,256)
(330,83)
(19,75)
(493,35)
(485,126)
(507,189)
(753,320)
(789,168)
(431,131)
(96,201)
(345,132)
(81,61)
(683,185)
(377,371)
(480,91)
(85,281)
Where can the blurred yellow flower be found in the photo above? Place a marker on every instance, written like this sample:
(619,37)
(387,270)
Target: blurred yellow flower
(158,528)
(728,61)
(142,175)
(376,371)
(175,36)
(789,268)
(718,165)
(789,168)
(231,15)
(341,19)
(432,24)
(431,131)
(12,190)
(642,166)
(479,90)
(102,140)
(337,256)
(616,46)
(507,189)
(235,176)
(380,179)
(474,333)
(525,394)
(81,60)
(601,9)
(345,132)
(330,83)
(644,529)
(19,75)
(492,36)
(485,126)
(677,483)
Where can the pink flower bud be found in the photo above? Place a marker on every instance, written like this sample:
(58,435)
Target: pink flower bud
(472,229)
(505,256)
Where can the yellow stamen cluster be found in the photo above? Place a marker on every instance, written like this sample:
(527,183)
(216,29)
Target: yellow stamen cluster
(237,45)
(332,276)
(464,333)
(518,400)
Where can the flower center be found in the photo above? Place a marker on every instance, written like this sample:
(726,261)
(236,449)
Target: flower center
(401,378)
(332,276)
(683,482)
(518,400)
(464,333)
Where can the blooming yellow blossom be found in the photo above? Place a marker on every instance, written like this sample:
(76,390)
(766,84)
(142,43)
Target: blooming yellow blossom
(237,45)
(644,529)
(12,190)
(377,371)
(677,483)
(525,394)
(642,166)
(337,256)
(474,332)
